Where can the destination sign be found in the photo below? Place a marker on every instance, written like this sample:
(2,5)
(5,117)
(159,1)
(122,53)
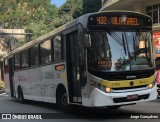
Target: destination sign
(118,20)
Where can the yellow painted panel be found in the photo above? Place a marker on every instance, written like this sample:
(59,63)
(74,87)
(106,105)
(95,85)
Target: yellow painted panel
(127,83)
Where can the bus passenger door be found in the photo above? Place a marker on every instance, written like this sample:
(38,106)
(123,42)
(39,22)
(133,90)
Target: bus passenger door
(11,74)
(73,66)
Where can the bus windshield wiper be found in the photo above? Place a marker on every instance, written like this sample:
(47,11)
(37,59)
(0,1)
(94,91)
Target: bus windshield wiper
(134,48)
(124,44)
(129,56)
(118,40)
(115,37)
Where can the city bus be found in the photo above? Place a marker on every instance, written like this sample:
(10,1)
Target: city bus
(102,59)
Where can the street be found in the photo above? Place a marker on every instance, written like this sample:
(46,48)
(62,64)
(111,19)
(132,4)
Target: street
(8,105)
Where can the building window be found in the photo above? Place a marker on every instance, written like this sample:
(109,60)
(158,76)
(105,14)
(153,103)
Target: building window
(45,50)
(154,12)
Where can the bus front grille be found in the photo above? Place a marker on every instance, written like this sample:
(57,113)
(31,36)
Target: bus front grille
(134,87)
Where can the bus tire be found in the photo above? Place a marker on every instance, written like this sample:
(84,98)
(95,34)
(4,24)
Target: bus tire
(63,101)
(20,95)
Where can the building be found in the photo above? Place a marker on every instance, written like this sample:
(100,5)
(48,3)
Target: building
(149,7)
(9,40)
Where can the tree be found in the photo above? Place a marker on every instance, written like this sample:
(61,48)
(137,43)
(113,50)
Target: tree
(27,14)
(69,11)
(90,6)
(40,16)
(78,9)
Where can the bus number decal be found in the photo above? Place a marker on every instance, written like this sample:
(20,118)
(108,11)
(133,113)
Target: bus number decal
(50,75)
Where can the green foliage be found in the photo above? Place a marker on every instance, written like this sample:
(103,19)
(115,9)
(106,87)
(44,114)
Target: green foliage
(40,16)
(78,9)
(90,6)
(27,14)
(70,10)
(1,85)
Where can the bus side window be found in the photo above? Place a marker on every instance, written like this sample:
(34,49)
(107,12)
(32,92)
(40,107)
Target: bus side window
(57,48)
(24,58)
(17,62)
(6,66)
(34,56)
(45,52)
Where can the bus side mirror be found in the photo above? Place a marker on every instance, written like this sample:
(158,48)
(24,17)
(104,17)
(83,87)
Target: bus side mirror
(87,41)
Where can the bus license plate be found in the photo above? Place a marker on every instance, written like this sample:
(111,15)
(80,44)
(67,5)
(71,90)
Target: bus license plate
(132,97)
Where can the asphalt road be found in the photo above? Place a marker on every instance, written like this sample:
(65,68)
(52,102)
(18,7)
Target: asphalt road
(50,111)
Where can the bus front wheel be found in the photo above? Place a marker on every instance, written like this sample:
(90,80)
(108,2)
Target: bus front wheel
(63,100)
(20,95)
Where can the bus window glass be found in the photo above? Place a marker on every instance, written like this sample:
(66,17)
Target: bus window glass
(24,59)
(6,65)
(57,46)
(17,62)
(45,49)
(120,51)
(34,58)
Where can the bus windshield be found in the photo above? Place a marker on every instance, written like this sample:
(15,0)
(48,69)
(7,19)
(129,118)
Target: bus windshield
(120,51)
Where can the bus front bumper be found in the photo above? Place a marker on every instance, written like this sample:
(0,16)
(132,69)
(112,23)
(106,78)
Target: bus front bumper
(99,98)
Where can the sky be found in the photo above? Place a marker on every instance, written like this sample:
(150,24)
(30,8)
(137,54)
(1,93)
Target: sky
(58,3)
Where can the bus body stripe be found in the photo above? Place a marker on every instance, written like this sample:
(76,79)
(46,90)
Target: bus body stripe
(127,83)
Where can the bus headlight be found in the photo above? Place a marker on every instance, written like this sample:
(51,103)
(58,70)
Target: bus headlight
(151,85)
(101,87)
(108,89)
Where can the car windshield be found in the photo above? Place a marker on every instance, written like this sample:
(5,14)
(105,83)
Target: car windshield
(120,51)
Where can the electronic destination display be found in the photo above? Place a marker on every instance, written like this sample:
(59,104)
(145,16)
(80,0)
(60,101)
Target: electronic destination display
(119,19)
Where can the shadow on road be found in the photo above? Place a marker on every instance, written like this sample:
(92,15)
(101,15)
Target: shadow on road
(50,106)
(80,112)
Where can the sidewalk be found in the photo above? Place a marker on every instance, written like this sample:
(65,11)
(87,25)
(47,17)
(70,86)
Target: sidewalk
(2,91)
